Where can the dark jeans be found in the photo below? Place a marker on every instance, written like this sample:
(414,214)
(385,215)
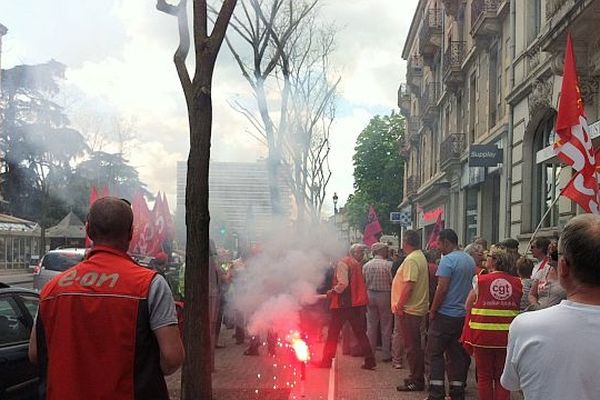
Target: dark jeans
(411,333)
(444,332)
(356,317)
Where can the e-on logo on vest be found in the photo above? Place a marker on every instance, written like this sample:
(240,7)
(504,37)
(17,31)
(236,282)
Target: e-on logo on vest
(501,289)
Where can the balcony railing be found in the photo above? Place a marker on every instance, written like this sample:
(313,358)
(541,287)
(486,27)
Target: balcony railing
(412,185)
(484,20)
(429,98)
(412,128)
(414,71)
(404,100)
(431,32)
(453,59)
(452,7)
(451,149)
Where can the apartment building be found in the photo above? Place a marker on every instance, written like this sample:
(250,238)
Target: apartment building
(480,99)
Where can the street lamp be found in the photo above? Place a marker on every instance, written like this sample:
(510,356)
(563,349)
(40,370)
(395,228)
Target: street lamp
(335,200)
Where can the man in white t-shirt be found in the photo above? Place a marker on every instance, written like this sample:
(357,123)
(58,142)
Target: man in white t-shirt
(553,353)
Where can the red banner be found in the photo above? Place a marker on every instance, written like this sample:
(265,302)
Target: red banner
(574,145)
(373,229)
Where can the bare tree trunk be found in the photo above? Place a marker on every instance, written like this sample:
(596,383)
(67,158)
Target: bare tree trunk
(197,383)
(197,369)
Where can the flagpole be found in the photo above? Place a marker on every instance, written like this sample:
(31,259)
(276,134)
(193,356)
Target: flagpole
(539,226)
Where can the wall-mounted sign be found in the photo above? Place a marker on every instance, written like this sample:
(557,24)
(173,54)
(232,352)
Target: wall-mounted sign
(485,155)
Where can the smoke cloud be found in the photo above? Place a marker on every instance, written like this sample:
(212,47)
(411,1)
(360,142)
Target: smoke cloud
(283,277)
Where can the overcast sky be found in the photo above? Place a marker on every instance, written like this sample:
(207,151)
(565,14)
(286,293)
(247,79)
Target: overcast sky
(119,57)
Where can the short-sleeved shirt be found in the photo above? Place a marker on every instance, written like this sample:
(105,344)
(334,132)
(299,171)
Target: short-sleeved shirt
(378,274)
(460,268)
(553,353)
(413,269)
(160,304)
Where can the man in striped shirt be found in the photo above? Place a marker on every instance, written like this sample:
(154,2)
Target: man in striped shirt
(378,278)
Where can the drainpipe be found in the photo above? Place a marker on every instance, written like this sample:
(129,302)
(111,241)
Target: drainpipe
(512,47)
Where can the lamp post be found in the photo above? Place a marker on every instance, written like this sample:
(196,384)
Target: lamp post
(335,200)
(335,211)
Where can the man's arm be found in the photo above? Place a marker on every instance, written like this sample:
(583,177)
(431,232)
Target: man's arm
(407,289)
(32,352)
(341,273)
(163,322)
(440,294)
(171,348)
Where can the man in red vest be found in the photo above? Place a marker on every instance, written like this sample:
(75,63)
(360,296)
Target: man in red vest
(348,303)
(106,328)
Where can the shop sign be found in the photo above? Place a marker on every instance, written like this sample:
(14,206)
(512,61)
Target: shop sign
(485,155)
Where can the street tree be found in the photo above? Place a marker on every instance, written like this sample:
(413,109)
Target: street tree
(113,171)
(284,55)
(378,171)
(38,145)
(197,369)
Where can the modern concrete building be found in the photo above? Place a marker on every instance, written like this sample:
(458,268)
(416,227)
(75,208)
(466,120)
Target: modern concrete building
(481,90)
(239,199)
(3,31)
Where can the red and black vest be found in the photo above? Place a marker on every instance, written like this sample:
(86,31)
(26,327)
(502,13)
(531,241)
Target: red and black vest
(93,332)
(498,300)
(355,294)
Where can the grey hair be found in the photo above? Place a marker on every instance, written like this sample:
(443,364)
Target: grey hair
(357,246)
(473,248)
(579,244)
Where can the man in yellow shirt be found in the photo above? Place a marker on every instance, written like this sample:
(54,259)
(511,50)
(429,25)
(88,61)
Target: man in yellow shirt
(410,303)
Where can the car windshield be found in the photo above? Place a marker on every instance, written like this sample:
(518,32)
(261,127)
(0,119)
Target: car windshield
(61,261)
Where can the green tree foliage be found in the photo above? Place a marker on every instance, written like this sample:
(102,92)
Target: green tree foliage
(113,171)
(378,171)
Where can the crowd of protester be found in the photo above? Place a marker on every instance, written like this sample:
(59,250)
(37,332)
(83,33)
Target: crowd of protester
(438,311)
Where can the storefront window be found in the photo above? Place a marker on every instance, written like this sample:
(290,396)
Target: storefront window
(471,215)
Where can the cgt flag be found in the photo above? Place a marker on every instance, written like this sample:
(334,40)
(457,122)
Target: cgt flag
(574,145)
(435,233)
(373,229)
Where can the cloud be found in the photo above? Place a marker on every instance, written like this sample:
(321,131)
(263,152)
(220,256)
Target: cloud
(119,54)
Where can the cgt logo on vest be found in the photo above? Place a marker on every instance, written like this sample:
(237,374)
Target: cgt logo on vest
(501,289)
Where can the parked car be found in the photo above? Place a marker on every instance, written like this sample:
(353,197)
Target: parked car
(18,377)
(55,262)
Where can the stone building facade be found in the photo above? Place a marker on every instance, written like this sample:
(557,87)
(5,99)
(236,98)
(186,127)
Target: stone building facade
(487,72)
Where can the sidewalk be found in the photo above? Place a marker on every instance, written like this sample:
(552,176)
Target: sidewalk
(239,377)
(354,383)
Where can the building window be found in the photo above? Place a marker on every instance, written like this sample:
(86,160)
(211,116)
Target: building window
(546,177)
(493,93)
(471,215)
(534,19)
(472,107)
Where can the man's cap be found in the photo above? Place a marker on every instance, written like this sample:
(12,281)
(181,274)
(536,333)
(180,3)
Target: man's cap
(378,246)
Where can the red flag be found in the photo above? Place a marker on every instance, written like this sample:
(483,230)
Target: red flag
(435,233)
(373,229)
(574,145)
(170,227)
(159,225)
(143,226)
(104,192)
(93,198)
